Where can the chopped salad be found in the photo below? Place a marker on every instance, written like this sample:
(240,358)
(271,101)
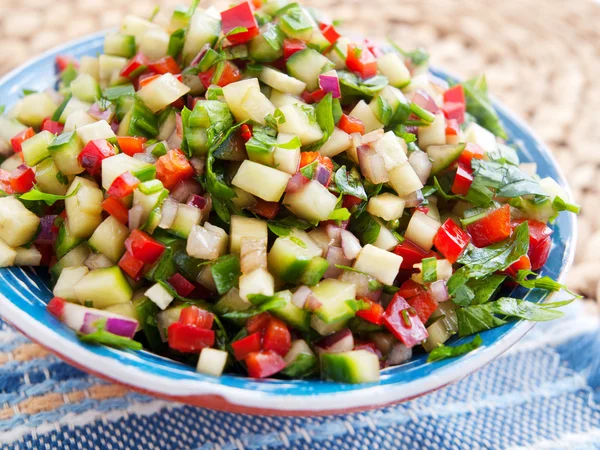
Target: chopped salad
(252,192)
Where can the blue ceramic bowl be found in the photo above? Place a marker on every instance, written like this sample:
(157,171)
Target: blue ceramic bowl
(24,293)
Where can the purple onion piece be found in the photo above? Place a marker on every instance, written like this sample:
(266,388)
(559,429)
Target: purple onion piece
(197,201)
(46,224)
(350,244)
(335,256)
(196,60)
(329,82)
(439,291)
(300,297)
(322,175)
(372,165)
(182,191)
(424,100)
(136,214)
(334,233)
(120,326)
(340,341)
(296,183)
(415,199)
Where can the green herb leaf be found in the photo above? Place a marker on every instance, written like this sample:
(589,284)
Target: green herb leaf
(273,302)
(480,106)
(429,270)
(339,214)
(226,273)
(324,116)
(36,195)
(365,227)
(350,183)
(358,305)
(506,179)
(176,42)
(352,85)
(538,282)
(445,351)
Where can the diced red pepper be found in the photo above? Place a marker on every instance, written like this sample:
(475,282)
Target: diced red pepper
(189,338)
(451,240)
(456,94)
(452,127)
(143,247)
(5,182)
(256,4)
(22,179)
(410,289)
(329,32)
(268,210)
(229,74)
(374,47)
(240,16)
(374,314)
(207,77)
(540,242)
(136,66)
(264,364)
(291,46)
(90,158)
(20,138)
(471,151)
(361,61)
(172,168)
(411,254)
(247,345)
(351,125)
(462,180)
(131,145)
(495,227)
(522,264)
(423,209)
(64,61)
(350,201)
(52,126)
(313,97)
(424,304)
(146,79)
(115,208)
(131,266)
(246,133)
(455,111)
(181,284)
(307,158)
(56,306)
(258,322)
(123,185)
(402,321)
(277,337)
(164,65)
(370,347)
(197,317)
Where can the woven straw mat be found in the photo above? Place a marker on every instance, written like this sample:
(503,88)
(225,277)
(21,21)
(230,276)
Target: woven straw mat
(541,57)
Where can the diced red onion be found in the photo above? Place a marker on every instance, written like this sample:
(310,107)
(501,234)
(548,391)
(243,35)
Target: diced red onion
(99,114)
(338,342)
(176,137)
(414,199)
(136,214)
(334,234)
(329,82)
(197,201)
(350,244)
(97,261)
(300,297)
(364,139)
(335,255)
(322,174)
(421,164)
(296,183)
(121,326)
(182,190)
(424,100)
(196,60)
(46,235)
(145,157)
(191,102)
(208,208)
(199,165)
(372,165)
(412,129)
(114,125)
(439,291)
(312,303)
(169,211)
(399,354)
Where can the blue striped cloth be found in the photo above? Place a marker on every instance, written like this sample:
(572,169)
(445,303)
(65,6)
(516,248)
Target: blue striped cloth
(543,394)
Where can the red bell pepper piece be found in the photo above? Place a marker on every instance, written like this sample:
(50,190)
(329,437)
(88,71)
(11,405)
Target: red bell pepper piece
(291,46)
(411,254)
(64,61)
(540,242)
(313,97)
(207,77)
(164,65)
(181,285)
(123,185)
(454,111)
(522,264)
(471,151)
(424,304)
(258,322)
(350,201)
(452,127)
(247,345)
(268,210)
(451,240)
(495,227)
(240,16)
(402,321)
(189,338)
(361,61)
(52,126)
(229,73)
(20,138)
(462,180)
(246,133)
(131,145)
(277,337)
(374,314)
(410,289)
(351,125)
(145,79)
(172,168)
(131,266)
(136,66)
(329,32)
(56,306)
(90,158)
(22,179)
(115,208)
(192,315)
(264,364)
(143,247)
(456,94)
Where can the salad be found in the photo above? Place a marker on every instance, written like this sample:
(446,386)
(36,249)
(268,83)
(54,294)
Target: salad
(251,192)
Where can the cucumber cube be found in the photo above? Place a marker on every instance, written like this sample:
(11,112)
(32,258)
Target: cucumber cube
(291,314)
(404,179)
(385,239)
(306,65)
(109,239)
(392,66)
(118,44)
(358,366)
(378,263)
(421,230)
(258,281)
(34,108)
(18,225)
(109,66)
(84,210)
(64,150)
(49,179)
(97,130)
(162,91)
(186,218)
(89,65)
(28,256)
(392,149)
(73,258)
(203,29)
(160,296)
(154,44)
(77,119)
(314,271)
(286,159)
(300,361)
(264,182)
(280,99)
(434,133)
(12,162)
(7,255)
(104,287)
(207,242)
(245,227)
(212,362)
(231,302)
(136,26)
(313,202)
(363,112)
(65,285)
(86,88)
(325,329)
(478,135)
(387,206)
(297,123)
(338,142)
(72,106)
(117,165)
(333,294)
(290,255)
(282,82)
(35,149)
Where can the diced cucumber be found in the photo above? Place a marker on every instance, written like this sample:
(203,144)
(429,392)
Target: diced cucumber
(84,210)
(166,318)
(159,295)
(49,179)
(421,230)
(96,130)
(259,281)
(357,366)
(86,88)
(187,216)
(74,258)
(212,362)
(243,199)
(297,23)
(7,255)
(167,125)
(88,65)
(300,361)
(207,242)
(332,296)
(378,263)
(364,113)
(109,239)
(314,271)
(12,162)
(72,106)
(154,44)
(28,256)
(18,225)
(392,66)
(282,82)
(139,121)
(242,227)
(325,329)
(286,159)
(385,239)
(442,156)
(443,271)
(280,99)
(109,67)
(35,149)
(434,133)
(268,45)
(203,29)
(65,241)
(478,135)
(264,182)
(64,150)
(404,179)
(390,106)
(162,91)
(114,166)
(231,302)
(392,149)
(118,44)
(290,255)
(306,65)
(313,202)
(338,142)
(104,287)
(34,108)
(272,6)
(149,202)
(9,128)
(136,26)
(77,119)
(387,206)
(67,280)
(291,314)
(320,236)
